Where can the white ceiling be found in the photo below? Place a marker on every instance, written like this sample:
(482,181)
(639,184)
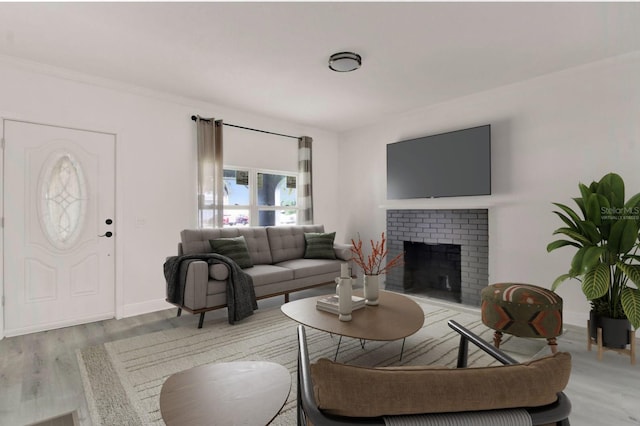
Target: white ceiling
(271,58)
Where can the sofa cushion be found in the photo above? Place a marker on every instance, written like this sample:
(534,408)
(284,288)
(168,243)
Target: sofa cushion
(309,267)
(268,274)
(257,243)
(287,242)
(196,241)
(234,248)
(343,251)
(352,391)
(319,245)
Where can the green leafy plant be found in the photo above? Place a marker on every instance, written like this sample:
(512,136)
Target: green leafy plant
(605,233)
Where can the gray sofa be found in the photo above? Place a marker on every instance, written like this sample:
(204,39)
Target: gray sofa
(279,266)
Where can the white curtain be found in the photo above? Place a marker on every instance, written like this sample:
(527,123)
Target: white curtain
(210,181)
(305,198)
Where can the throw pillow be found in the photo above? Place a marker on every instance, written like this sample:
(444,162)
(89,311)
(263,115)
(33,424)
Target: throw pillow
(234,248)
(319,245)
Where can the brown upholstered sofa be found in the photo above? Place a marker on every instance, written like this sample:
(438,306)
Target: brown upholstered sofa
(335,394)
(277,254)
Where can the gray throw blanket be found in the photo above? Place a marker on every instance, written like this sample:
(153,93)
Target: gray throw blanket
(241,297)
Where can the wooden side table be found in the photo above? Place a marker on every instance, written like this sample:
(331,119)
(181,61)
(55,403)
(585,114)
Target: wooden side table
(229,393)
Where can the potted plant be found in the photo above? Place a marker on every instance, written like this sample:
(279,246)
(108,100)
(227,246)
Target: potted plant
(372,265)
(604,231)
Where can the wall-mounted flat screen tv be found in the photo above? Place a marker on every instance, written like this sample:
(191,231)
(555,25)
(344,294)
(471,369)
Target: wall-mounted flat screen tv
(453,164)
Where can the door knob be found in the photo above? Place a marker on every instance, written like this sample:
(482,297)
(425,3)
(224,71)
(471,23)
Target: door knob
(108,234)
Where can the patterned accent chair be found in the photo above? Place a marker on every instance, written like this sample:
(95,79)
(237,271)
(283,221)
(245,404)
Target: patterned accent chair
(522,310)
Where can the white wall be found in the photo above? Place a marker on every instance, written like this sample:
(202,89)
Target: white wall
(548,134)
(155,162)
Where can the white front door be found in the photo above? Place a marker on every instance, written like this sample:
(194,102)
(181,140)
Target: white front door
(59,230)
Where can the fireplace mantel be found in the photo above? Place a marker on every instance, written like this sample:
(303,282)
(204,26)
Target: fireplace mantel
(443,203)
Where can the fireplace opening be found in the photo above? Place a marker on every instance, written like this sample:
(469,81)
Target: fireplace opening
(433,270)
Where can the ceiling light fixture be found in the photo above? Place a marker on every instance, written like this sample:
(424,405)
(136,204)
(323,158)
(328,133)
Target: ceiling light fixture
(345,61)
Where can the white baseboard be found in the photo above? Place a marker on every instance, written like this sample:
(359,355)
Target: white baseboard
(134,309)
(58,324)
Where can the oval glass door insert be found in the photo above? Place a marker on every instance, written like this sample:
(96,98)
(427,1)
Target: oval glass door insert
(63,200)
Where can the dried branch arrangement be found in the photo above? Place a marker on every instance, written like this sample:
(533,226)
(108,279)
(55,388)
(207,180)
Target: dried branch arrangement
(373,263)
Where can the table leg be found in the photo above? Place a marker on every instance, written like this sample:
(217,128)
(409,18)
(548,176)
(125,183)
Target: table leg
(337,349)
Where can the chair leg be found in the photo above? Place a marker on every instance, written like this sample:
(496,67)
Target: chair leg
(553,344)
(497,338)
(179,312)
(600,345)
(201,320)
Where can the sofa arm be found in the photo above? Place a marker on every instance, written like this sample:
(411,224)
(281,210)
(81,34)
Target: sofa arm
(343,251)
(195,288)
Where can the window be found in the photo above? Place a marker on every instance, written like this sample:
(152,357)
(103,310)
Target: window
(259,197)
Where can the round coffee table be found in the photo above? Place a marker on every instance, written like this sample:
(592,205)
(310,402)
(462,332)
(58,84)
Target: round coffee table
(228,393)
(396,317)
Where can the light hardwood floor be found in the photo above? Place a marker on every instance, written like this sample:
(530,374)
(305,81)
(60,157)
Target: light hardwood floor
(39,376)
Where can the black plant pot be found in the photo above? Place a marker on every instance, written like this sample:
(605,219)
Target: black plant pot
(615,332)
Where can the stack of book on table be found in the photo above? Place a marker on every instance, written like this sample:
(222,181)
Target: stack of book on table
(331,303)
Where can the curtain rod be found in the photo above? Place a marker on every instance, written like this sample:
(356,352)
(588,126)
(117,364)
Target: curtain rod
(194,118)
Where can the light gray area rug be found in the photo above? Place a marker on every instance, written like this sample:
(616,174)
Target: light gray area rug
(122,379)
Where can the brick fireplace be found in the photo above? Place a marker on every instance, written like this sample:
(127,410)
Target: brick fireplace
(440,241)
